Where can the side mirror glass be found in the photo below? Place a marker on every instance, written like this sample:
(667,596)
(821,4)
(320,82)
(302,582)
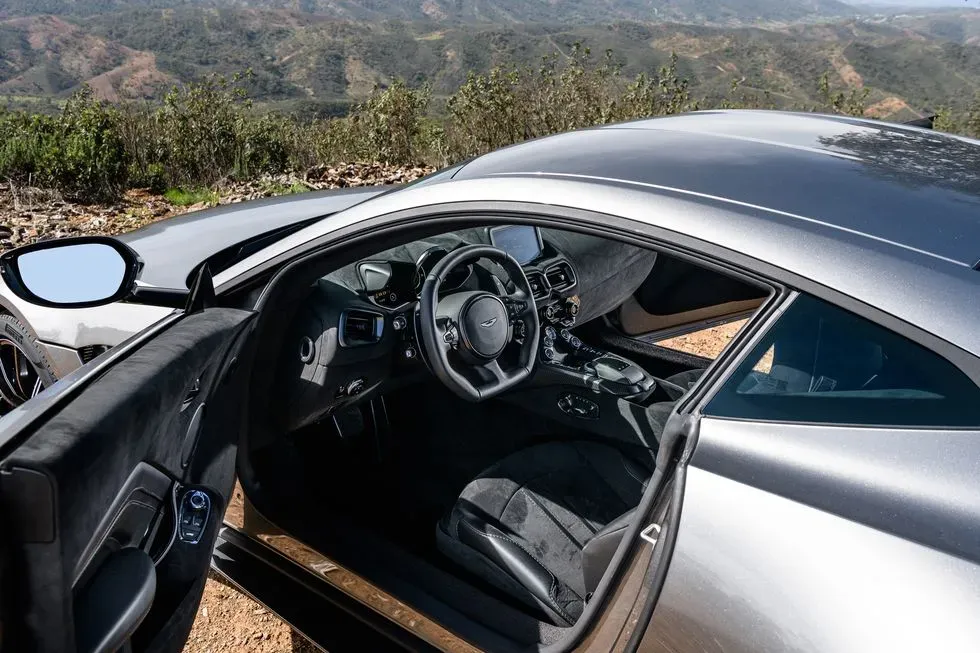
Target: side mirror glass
(71,273)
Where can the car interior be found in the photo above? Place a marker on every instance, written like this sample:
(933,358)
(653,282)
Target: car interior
(470,419)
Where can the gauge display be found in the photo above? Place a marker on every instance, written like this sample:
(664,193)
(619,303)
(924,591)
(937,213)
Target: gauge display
(523,242)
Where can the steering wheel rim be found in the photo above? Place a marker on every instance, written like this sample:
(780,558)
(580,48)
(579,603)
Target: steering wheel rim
(466,326)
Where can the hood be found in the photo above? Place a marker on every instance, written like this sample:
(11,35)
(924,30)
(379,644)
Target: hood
(173,247)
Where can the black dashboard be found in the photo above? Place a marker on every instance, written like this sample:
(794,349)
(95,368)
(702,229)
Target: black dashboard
(358,329)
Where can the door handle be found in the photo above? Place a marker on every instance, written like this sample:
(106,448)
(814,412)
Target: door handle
(115,601)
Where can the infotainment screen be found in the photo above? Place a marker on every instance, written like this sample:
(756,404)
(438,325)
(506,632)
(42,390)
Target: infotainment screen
(523,242)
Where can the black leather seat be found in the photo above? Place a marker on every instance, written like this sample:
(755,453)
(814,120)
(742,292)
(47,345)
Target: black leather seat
(543,523)
(678,384)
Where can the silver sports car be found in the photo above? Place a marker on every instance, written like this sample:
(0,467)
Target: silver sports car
(453,428)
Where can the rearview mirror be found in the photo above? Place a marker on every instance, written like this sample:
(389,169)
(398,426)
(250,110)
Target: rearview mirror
(71,272)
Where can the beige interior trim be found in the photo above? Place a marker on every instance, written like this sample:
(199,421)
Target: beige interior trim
(636,321)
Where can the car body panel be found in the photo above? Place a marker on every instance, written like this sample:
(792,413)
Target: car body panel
(172,248)
(753,571)
(860,473)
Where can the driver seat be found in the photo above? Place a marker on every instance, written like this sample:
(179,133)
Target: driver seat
(542,524)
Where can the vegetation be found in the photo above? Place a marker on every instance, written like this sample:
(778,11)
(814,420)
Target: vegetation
(205,132)
(189,197)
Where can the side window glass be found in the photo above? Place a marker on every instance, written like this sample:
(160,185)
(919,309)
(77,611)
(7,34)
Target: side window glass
(822,364)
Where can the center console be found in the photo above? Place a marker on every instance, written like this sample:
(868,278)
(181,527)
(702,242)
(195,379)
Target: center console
(566,357)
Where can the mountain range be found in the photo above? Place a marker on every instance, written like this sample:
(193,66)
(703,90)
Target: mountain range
(469,11)
(334,53)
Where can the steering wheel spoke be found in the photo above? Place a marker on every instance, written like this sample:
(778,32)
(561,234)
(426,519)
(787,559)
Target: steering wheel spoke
(496,371)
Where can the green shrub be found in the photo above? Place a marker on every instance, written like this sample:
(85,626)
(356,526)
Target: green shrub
(79,152)
(91,162)
(190,196)
(852,103)
(972,127)
(208,131)
(388,125)
(664,94)
(199,128)
(27,144)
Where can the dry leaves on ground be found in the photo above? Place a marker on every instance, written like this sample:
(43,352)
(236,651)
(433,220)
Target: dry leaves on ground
(31,214)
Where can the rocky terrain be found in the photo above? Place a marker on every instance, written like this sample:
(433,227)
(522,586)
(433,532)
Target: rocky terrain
(30,214)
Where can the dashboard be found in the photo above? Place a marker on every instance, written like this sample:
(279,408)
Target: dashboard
(357,330)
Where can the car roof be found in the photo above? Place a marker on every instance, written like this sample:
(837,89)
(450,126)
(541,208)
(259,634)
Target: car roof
(912,187)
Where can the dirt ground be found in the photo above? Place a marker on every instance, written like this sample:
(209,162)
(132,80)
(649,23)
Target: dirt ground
(230,621)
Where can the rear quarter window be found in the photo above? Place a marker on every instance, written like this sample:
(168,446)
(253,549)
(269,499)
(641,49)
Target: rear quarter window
(821,364)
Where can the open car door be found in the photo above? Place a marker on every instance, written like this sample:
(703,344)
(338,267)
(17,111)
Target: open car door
(112,500)
(114,482)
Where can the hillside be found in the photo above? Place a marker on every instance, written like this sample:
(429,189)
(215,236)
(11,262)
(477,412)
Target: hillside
(482,11)
(309,62)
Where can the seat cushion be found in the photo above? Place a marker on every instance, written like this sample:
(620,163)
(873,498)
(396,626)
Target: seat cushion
(680,383)
(522,524)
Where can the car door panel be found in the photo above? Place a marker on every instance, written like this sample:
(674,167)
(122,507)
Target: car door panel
(783,532)
(101,474)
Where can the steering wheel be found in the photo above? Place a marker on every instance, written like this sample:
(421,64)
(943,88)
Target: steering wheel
(465,333)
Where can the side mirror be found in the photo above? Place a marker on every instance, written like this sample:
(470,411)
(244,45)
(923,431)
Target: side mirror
(71,272)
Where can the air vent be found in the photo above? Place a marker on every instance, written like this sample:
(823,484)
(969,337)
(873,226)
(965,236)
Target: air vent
(560,276)
(89,352)
(360,328)
(539,287)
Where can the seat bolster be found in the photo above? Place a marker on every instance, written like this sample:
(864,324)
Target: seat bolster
(598,551)
(510,555)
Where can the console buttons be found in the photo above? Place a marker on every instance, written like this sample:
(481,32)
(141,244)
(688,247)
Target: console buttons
(550,334)
(192,516)
(198,501)
(548,353)
(399,323)
(450,336)
(355,387)
(575,342)
(577,406)
(410,353)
